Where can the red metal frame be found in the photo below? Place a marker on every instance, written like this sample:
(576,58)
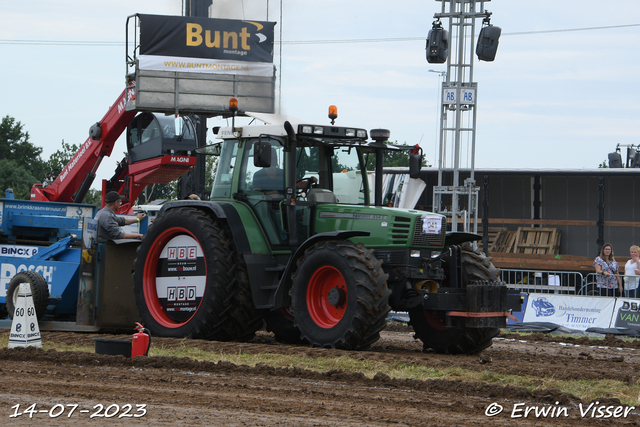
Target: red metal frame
(131,180)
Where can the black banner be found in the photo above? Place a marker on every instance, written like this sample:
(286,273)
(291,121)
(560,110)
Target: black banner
(207,38)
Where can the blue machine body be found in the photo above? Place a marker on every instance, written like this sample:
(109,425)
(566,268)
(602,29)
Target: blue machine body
(47,237)
(44,237)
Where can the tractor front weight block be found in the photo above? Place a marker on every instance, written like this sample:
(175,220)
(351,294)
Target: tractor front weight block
(481,304)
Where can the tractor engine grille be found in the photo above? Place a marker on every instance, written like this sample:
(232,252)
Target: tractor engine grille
(400,230)
(420,238)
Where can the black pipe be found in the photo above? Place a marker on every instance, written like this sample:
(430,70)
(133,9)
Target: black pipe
(600,214)
(378,180)
(485,216)
(290,152)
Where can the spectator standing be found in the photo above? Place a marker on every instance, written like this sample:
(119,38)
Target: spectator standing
(608,281)
(109,223)
(631,273)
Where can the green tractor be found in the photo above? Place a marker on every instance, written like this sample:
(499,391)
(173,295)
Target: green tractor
(292,238)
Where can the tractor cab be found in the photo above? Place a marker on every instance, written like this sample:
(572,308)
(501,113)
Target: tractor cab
(299,178)
(152,135)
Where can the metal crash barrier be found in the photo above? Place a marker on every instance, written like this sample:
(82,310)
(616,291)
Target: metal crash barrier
(544,282)
(590,285)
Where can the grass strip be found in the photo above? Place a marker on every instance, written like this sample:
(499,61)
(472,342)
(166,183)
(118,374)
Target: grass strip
(584,389)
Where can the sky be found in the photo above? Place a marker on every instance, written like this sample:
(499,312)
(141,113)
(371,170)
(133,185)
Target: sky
(562,92)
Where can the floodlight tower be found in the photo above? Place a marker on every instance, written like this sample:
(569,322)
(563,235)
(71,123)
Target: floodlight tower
(458,108)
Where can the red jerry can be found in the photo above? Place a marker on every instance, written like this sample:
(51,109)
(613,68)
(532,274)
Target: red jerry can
(141,341)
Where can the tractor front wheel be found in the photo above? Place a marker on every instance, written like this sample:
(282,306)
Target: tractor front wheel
(430,326)
(339,296)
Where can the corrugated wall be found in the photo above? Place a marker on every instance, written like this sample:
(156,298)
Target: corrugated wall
(571,196)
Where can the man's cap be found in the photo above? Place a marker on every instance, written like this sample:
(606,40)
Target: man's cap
(112,196)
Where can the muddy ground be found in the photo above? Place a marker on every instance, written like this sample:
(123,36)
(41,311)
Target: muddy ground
(181,391)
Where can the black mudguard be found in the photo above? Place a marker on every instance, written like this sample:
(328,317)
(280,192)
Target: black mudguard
(459,237)
(282,298)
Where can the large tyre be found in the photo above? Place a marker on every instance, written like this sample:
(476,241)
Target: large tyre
(39,292)
(429,326)
(339,296)
(190,281)
(282,324)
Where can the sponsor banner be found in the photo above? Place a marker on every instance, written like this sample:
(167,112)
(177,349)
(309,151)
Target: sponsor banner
(573,312)
(18,251)
(626,313)
(196,37)
(519,314)
(11,267)
(43,207)
(181,277)
(202,65)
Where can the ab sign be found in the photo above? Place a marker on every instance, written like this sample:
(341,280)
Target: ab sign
(467,96)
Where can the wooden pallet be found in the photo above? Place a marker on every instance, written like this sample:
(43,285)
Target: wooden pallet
(537,241)
(493,234)
(504,242)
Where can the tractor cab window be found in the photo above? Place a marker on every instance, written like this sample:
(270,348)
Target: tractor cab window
(346,172)
(268,180)
(264,188)
(224,172)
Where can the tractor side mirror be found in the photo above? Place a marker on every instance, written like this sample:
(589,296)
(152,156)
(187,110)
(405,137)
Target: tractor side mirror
(262,154)
(414,165)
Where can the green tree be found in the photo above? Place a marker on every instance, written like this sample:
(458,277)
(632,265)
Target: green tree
(93,197)
(210,172)
(158,191)
(393,159)
(15,145)
(17,178)
(58,160)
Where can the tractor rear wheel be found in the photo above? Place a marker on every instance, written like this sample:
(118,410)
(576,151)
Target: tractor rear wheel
(190,281)
(39,292)
(339,296)
(429,326)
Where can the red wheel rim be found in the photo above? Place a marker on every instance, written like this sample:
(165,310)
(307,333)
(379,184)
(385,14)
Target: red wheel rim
(324,280)
(436,322)
(149,278)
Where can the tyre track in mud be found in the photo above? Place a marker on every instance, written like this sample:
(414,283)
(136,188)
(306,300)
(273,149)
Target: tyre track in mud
(182,391)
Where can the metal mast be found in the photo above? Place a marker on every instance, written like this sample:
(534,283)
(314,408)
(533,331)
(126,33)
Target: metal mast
(194,180)
(458,117)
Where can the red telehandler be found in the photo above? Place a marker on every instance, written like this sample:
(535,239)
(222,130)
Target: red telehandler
(160,150)
(50,240)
